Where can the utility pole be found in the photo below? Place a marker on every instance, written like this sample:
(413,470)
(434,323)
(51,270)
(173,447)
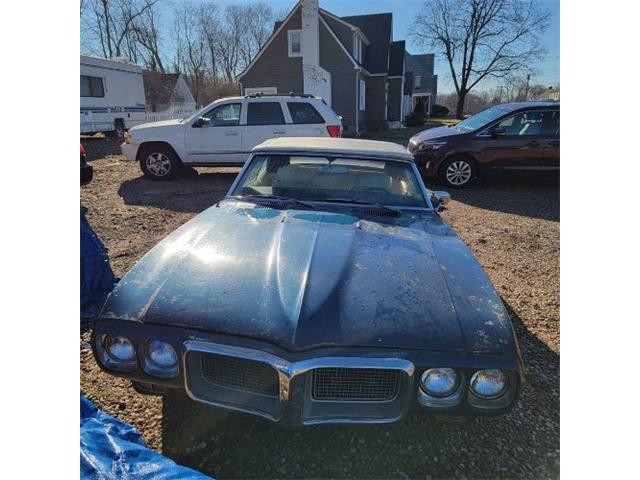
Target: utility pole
(526,89)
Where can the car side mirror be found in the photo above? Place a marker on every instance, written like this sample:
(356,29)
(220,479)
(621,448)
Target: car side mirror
(439,200)
(199,123)
(498,132)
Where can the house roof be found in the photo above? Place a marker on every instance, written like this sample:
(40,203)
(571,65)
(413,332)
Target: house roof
(419,64)
(396,58)
(160,88)
(377,29)
(336,146)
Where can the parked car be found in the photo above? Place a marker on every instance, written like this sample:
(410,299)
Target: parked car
(224,132)
(515,136)
(324,288)
(86,170)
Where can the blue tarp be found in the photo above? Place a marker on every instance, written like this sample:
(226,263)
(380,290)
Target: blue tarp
(96,278)
(111,449)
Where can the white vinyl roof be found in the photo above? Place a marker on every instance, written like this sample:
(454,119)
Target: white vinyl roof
(335,146)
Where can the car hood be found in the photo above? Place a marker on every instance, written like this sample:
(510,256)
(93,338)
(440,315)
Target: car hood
(163,123)
(302,279)
(434,134)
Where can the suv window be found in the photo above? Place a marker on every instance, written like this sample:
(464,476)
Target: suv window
(551,123)
(91,86)
(264,113)
(227,115)
(523,123)
(302,112)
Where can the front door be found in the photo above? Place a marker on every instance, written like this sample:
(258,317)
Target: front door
(520,144)
(216,138)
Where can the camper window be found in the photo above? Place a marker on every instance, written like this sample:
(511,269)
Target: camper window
(91,86)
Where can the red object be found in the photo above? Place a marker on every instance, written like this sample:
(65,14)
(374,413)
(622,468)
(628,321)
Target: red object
(334,130)
(82,150)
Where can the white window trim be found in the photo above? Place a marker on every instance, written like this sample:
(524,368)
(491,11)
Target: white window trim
(357,47)
(290,33)
(362,100)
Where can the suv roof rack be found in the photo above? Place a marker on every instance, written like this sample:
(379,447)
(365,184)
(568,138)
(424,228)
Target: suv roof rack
(290,94)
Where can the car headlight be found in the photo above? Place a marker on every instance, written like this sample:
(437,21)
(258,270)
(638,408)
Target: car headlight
(430,146)
(160,359)
(120,348)
(440,382)
(162,354)
(489,384)
(128,138)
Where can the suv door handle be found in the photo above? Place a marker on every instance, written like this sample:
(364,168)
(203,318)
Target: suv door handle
(279,132)
(231,134)
(532,144)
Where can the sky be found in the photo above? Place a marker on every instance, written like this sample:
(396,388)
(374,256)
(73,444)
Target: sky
(403,12)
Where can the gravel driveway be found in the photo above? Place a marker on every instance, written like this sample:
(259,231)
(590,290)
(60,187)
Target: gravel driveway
(512,225)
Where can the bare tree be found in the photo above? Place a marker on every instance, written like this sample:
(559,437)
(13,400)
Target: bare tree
(209,24)
(146,31)
(259,18)
(482,38)
(111,23)
(191,50)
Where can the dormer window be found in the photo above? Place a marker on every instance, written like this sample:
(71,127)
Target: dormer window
(295,43)
(417,81)
(357,48)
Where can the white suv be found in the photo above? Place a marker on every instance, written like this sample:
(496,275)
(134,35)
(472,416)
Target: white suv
(224,132)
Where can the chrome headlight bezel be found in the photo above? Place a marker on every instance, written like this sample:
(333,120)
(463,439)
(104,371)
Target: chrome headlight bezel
(111,361)
(491,374)
(446,375)
(498,401)
(453,397)
(156,368)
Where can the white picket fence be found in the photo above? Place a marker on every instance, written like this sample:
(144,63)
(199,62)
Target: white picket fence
(168,115)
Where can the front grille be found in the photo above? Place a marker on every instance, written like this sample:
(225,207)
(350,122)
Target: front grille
(240,373)
(354,384)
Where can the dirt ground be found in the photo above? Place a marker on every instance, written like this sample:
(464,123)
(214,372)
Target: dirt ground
(512,225)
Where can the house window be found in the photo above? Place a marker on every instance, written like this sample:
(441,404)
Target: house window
(417,81)
(363,94)
(357,48)
(295,43)
(91,86)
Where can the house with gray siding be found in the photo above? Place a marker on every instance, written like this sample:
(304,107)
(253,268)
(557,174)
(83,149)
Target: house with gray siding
(352,62)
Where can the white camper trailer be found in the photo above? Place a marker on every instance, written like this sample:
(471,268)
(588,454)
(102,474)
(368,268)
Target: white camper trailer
(111,95)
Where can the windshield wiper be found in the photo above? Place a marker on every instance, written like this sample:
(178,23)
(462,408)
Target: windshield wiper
(278,198)
(362,202)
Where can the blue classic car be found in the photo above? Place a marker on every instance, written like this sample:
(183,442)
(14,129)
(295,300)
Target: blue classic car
(324,288)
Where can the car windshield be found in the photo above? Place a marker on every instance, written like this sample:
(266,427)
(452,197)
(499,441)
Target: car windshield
(481,119)
(339,180)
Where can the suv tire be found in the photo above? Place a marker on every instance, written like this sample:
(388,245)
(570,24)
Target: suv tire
(159,162)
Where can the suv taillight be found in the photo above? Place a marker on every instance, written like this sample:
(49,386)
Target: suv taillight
(334,130)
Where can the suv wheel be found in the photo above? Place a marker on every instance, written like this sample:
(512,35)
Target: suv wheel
(159,163)
(457,172)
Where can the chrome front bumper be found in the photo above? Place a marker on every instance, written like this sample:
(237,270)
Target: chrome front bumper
(294,402)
